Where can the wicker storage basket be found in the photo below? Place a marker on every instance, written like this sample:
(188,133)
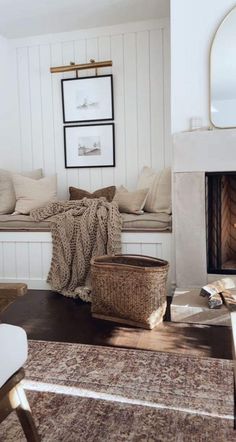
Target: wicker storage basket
(130,289)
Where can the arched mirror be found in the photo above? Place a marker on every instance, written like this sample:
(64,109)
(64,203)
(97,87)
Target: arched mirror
(223,74)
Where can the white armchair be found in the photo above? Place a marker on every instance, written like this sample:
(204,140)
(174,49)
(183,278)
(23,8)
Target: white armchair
(13,355)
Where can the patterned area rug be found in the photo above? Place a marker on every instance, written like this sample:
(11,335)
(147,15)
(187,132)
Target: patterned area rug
(88,393)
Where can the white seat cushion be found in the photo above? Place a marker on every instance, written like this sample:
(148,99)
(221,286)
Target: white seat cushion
(13,350)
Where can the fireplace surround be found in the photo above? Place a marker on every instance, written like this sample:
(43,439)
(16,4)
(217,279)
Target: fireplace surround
(199,155)
(200,159)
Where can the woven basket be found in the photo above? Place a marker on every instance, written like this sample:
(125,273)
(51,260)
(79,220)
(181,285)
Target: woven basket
(130,289)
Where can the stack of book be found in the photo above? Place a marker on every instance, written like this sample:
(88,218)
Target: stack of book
(218,291)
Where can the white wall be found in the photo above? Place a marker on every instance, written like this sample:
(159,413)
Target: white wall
(140,55)
(193,24)
(9,142)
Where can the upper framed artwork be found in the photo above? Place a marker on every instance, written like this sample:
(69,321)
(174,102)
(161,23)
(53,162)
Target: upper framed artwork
(87,99)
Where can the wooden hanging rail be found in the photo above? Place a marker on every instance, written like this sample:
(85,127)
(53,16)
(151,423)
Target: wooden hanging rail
(79,67)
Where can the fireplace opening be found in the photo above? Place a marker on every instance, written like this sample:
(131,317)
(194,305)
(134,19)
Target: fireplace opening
(221,222)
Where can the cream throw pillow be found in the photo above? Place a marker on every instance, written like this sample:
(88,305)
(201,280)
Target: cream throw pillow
(7,192)
(130,202)
(31,194)
(159,184)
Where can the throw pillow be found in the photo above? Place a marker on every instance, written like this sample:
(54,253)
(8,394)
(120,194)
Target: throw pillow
(31,194)
(7,192)
(159,184)
(79,194)
(130,202)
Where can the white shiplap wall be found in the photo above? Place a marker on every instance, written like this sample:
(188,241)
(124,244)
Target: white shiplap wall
(140,55)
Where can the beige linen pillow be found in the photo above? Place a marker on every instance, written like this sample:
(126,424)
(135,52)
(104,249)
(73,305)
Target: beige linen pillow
(31,194)
(159,184)
(130,202)
(7,192)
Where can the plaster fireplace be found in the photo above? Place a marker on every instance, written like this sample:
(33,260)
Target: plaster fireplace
(204,210)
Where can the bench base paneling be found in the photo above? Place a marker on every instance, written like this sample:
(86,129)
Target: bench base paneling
(26,256)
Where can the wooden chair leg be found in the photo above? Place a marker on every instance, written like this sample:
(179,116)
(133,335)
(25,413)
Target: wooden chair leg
(12,397)
(5,408)
(25,417)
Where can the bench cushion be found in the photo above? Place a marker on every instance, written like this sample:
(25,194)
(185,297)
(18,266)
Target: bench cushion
(13,351)
(146,221)
(22,222)
(157,221)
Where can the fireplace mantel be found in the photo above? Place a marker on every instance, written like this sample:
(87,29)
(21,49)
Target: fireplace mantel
(205,150)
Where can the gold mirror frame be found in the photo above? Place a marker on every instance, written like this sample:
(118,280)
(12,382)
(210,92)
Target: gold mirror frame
(210,69)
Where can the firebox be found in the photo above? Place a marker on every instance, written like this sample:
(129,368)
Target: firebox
(221,222)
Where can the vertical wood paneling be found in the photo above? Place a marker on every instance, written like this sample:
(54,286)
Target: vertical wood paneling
(148,249)
(9,259)
(36,108)
(117,55)
(157,99)
(26,257)
(47,110)
(95,173)
(143,100)
(104,53)
(22,260)
(133,248)
(68,55)
(141,103)
(81,57)
(167,98)
(166,248)
(35,260)
(25,108)
(159,251)
(130,94)
(56,60)
(46,253)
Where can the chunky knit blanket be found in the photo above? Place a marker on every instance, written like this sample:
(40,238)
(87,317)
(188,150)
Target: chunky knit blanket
(80,229)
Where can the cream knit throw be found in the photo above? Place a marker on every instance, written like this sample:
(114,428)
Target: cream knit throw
(80,229)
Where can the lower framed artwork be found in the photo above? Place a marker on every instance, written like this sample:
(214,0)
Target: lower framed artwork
(91,145)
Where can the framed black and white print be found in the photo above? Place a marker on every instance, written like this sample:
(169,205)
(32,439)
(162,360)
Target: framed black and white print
(87,99)
(91,145)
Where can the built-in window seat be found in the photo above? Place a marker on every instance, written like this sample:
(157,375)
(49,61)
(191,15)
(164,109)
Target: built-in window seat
(26,246)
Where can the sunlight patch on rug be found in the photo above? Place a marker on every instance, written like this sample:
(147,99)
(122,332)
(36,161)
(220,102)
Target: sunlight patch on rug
(85,393)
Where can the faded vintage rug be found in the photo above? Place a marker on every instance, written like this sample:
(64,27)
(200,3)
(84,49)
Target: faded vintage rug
(88,393)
